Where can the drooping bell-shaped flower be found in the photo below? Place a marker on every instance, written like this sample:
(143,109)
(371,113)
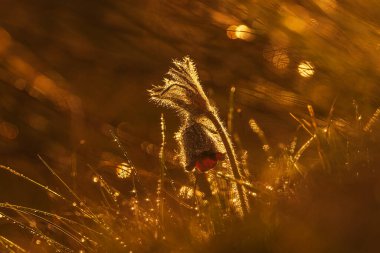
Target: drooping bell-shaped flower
(200,146)
(202,137)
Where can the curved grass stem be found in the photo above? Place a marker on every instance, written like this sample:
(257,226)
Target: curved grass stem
(231,156)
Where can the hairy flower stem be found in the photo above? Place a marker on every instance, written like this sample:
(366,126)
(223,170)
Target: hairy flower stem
(231,156)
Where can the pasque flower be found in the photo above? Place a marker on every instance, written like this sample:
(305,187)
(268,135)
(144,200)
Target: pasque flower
(202,137)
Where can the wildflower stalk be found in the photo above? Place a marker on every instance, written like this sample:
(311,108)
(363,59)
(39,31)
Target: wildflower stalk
(231,156)
(231,110)
(160,187)
(183,92)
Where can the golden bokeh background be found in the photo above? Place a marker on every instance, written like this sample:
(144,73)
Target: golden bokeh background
(72,70)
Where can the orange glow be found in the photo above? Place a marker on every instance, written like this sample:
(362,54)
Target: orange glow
(44,85)
(20,84)
(243,32)
(327,6)
(123,171)
(95,179)
(306,69)
(295,17)
(21,67)
(8,130)
(278,57)
(231,32)
(5,41)
(281,61)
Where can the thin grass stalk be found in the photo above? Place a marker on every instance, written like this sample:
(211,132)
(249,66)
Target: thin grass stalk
(9,245)
(160,189)
(231,108)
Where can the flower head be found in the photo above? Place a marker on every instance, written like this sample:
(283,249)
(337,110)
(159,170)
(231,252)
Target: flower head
(202,137)
(181,90)
(199,145)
